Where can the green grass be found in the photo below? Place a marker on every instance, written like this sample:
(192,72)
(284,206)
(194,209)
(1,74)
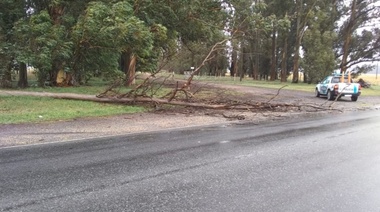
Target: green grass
(374,90)
(15,109)
(94,86)
(38,109)
(260,83)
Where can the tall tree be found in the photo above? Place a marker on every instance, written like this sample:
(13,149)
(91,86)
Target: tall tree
(103,33)
(358,45)
(319,59)
(300,28)
(41,43)
(10,12)
(44,37)
(279,10)
(252,31)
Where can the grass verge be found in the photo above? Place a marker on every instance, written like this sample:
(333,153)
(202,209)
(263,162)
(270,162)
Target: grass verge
(15,109)
(39,109)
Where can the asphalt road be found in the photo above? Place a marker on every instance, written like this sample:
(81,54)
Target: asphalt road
(316,164)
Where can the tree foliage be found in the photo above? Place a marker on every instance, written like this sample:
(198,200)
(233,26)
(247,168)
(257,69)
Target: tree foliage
(103,32)
(269,39)
(319,57)
(360,43)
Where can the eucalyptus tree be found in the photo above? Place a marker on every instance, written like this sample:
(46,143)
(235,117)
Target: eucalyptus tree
(10,12)
(42,44)
(281,12)
(238,25)
(145,31)
(303,13)
(187,22)
(250,28)
(360,42)
(319,58)
(103,33)
(261,26)
(294,19)
(198,25)
(277,13)
(44,39)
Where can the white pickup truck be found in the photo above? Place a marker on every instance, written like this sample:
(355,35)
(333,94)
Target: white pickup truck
(338,86)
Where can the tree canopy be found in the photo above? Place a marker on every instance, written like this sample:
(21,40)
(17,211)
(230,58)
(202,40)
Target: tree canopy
(268,39)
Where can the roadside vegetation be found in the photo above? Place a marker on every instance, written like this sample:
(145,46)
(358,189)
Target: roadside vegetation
(97,47)
(21,109)
(24,109)
(40,109)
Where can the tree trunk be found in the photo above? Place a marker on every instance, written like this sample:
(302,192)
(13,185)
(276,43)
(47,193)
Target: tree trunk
(284,72)
(233,65)
(6,77)
(56,67)
(298,43)
(347,38)
(23,76)
(55,13)
(257,55)
(273,71)
(128,66)
(296,64)
(93,98)
(305,77)
(241,66)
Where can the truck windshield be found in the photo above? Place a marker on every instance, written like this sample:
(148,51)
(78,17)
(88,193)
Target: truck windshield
(337,80)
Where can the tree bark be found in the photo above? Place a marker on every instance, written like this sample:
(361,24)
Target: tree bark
(82,97)
(257,56)
(298,43)
(132,71)
(296,60)
(284,65)
(23,76)
(273,71)
(6,78)
(234,63)
(241,70)
(93,98)
(347,39)
(128,66)
(55,13)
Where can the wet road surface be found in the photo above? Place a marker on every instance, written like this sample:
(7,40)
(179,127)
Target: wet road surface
(327,163)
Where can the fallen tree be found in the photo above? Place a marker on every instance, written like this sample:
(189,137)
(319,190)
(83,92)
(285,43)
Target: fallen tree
(138,94)
(235,105)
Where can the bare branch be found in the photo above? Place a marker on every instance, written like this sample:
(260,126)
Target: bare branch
(278,92)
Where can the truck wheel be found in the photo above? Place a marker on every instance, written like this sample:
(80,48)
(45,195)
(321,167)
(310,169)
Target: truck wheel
(317,94)
(354,98)
(330,95)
